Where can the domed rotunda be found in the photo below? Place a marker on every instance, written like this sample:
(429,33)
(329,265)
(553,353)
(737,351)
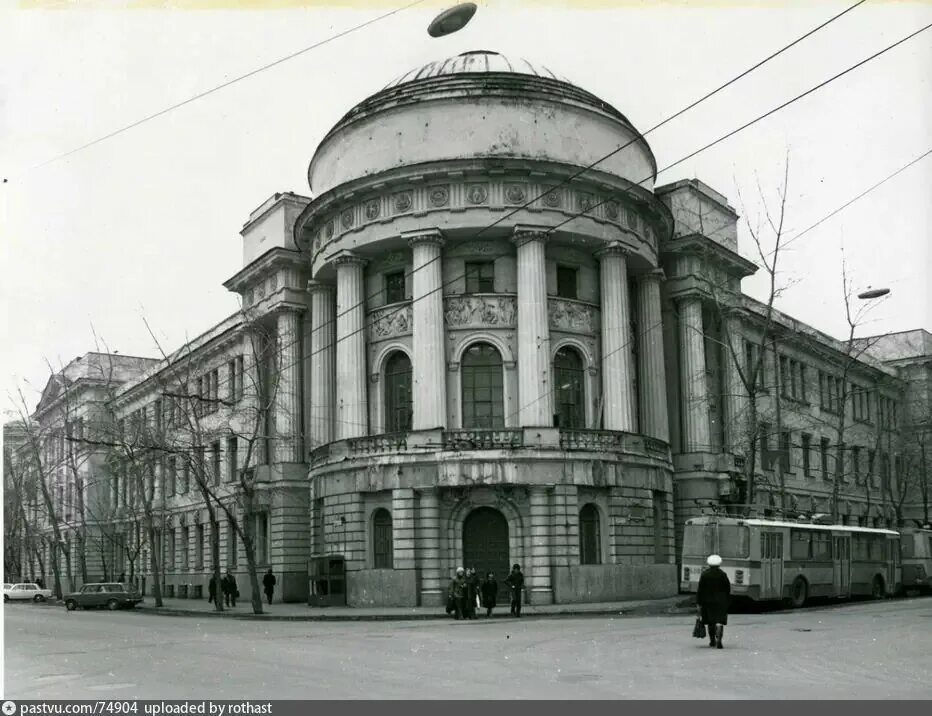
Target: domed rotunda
(486,356)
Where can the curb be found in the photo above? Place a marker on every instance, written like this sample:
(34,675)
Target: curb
(438,616)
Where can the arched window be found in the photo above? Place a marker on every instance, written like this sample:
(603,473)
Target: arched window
(569,378)
(382,557)
(397,393)
(590,535)
(483,404)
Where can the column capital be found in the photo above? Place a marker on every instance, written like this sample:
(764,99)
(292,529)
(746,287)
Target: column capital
(613,249)
(314,287)
(348,258)
(657,275)
(524,233)
(432,235)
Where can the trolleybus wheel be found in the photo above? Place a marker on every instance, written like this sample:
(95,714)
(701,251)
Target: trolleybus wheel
(877,591)
(799,593)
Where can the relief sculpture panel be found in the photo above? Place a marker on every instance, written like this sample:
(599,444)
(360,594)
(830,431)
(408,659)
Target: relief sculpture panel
(572,316)
(469,311)
(389,322)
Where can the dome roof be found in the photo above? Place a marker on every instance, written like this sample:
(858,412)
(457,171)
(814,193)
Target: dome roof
(476,62)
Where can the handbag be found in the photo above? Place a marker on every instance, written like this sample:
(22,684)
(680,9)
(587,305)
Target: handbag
(699,629)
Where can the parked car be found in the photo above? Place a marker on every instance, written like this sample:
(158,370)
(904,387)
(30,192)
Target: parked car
(103,594)
(25,591)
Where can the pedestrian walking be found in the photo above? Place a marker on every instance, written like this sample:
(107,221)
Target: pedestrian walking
(472,592)
(457,593)
(515,581)
(268,581)
(230,591)
(212,590)
(489,593)
(712,599)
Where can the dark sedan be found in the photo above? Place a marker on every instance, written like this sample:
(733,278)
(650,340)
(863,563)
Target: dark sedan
(104,594)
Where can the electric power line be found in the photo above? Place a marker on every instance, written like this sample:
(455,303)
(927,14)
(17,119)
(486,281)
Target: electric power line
(226,84)
(731,133)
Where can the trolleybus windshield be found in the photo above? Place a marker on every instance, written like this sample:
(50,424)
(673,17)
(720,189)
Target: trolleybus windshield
(700,540)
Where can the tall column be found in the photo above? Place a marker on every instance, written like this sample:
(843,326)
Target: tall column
(287,395)
(735,393)
(430,395)
(541,591)
(533,329)
(695,399)
(617,371)
(351,398)
(428,532)
(653,378)
(323,322)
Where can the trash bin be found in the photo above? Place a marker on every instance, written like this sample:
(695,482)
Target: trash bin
(327,577)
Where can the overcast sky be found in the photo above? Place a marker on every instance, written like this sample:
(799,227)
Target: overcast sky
(146,225)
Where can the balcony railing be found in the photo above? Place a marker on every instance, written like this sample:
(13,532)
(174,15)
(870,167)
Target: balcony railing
(594,440)
(386,442)
(482,439)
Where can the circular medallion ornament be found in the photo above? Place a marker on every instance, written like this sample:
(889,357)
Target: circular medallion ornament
(476,194)
(552,199)
(372,209)
(329,229)
(515,193)
(611,210)
(632,219)
(403,201)
(439,196)
(347,218)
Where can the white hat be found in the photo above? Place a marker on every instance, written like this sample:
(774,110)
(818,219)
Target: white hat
(714,560)
(460,570)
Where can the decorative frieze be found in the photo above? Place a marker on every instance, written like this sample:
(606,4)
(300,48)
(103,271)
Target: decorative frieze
(390,322)
(475,311)
(572,316)
(619,208)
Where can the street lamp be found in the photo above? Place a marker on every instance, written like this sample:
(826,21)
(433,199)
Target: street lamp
(452,20)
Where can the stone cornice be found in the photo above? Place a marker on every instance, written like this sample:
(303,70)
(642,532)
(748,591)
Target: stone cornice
(257,269)
(698,245)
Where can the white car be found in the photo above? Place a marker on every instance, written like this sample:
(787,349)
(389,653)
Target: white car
(24,592)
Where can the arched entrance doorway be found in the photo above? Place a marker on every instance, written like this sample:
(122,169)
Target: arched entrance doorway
(485,542)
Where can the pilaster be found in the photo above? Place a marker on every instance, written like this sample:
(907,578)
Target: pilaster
(696,437)
(323,322)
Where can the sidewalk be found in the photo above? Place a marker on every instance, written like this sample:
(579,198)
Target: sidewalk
(681,604)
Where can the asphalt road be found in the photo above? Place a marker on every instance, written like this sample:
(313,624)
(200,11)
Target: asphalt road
(872,650)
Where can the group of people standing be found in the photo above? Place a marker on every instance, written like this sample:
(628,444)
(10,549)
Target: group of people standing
(230,590)
(467,592)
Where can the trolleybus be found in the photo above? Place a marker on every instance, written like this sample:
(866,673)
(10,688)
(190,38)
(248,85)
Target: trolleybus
(916,550)
(792,561)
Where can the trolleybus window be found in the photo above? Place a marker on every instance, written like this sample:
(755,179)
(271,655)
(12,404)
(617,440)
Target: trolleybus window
(700,540)
(821,546)
(800,544)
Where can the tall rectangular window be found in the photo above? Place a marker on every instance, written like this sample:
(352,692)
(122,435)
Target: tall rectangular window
(395,287)
(262,537)
(232,458)
(824,445)
(480,277)
(217,461)
(764,447)
(185,536)
(871,477)
(199,546)
(785,442)
(567,282)
(856,464)
(806,447)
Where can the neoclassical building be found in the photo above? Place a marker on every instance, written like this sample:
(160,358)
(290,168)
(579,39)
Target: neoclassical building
(487,352)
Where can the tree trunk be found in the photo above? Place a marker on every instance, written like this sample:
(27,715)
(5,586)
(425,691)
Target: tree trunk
(249,546)
(155,546)
(215,554)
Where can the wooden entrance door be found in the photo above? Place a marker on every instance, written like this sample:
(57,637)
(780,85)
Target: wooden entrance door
(485,542)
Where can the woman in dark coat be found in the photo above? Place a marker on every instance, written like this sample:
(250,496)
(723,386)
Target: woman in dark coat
(712,598)
(489,592)
(472,592)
